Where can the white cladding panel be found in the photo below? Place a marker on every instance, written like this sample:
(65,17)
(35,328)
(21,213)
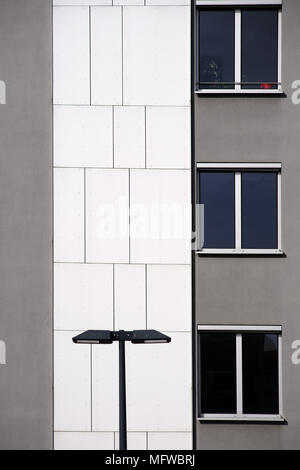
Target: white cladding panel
(84,440)
(159,385)
(129,136)
(72,383)
(170,440)
(83,136)
(168,137)
(161,216)
(169,297)
(68,215)
(130,297)
(71,56)
(156,55)
(106,55)
(107,216)
(83,296)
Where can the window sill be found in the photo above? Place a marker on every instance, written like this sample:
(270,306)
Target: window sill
(245,418)
(235,252)
(242,93)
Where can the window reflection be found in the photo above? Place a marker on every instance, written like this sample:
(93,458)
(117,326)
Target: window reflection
(260,49)
(216,35)
(217,193)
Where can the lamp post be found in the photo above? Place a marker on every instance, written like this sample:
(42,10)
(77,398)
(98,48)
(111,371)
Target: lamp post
(108,337)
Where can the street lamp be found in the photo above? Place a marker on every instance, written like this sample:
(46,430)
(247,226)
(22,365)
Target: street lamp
(108,337)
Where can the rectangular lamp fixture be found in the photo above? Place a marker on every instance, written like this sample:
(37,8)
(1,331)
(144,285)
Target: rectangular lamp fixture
(94,337)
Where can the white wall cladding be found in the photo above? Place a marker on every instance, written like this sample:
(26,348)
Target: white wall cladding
(107,216)
(128,2)
(168,137)
(130,297)
(81,2)
(98,440)
(169,297)
(105,389)
(159,385)
(71,70)
(68,214)
(84,440)
(83,296)
(169,440)
(164,194)
(135,440)
(106,55)
(158,382)
(83,136)
(129,136)
(72,383)
(121,140)
(156,66)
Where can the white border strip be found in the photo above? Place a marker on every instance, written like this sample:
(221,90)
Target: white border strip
(267,328)
(226,3)
(253,91)
(238,50)
(238,210)
(232,251)
(280,400)
(279,77)
(210,417)
(271,166)
(239,374)
(279,214)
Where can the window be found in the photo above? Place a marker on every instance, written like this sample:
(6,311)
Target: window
(239,49)
(240,372)
(239,209)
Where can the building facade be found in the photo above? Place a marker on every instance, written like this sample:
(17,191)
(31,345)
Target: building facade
(121,154)
(129,128)
(90,106)
(247,265)
(26,225)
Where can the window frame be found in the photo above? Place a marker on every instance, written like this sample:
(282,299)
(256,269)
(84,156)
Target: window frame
(240,416)
(237,168)
(237,6)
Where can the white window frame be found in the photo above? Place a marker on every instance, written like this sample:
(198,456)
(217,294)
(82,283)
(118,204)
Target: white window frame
(237,168)
(238,46)
(218,3)
(240,416)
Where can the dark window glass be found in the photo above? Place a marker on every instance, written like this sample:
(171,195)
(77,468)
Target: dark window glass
(217,195)
(259,48)
(216,44)
(259,210)
(218,373)
(260,373)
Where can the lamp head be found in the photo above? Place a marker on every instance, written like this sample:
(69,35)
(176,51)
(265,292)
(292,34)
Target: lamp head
(93,337)
(149,336)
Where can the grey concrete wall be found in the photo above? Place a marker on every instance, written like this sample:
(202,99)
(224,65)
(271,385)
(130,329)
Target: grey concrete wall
(25,224)
(257,290)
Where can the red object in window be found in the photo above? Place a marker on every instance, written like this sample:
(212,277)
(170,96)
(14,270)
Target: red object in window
(266,86)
